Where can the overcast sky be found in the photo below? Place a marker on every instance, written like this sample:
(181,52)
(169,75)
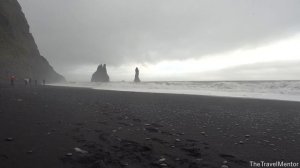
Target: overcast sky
(169,39)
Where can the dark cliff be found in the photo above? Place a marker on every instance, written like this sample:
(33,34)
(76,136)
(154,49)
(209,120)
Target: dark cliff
(101,74)
(19,54)
(137,75)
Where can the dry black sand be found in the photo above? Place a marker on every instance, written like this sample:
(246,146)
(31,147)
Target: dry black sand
(39,126)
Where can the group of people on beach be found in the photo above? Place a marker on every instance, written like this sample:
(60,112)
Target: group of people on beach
(27,81)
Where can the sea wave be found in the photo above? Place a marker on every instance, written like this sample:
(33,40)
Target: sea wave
(278,90)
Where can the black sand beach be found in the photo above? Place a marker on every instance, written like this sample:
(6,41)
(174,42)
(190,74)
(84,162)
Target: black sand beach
(41,126)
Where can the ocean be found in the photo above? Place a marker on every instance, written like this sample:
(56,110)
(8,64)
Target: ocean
(274,90)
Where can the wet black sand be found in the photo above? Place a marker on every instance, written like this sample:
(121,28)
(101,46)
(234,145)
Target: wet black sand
(39,126)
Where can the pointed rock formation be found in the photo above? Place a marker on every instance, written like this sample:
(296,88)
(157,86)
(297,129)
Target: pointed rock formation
(137,73)
(101,74)
(19,54)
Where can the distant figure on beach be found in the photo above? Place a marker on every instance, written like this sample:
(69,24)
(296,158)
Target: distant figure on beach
(29,81)
(12,80)
(137,73)
(44,82)
(26,82)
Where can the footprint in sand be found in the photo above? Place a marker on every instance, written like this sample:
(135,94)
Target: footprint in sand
(233,159)
(192,151)
(2,156)
(136,120)
(159,141)
(152,129)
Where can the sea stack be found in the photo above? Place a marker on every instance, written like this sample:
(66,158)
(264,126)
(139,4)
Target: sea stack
(137,73)
(101,74)
(19,54)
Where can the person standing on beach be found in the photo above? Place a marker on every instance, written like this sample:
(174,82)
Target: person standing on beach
(29,81)
(44,82)
(25,82)
(12,80)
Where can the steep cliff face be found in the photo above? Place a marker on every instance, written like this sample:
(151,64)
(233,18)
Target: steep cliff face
(19,54)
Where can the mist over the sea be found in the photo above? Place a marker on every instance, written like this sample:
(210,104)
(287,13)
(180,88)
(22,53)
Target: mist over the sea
(169,40)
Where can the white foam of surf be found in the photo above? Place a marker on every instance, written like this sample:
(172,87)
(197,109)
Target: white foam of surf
(275,90)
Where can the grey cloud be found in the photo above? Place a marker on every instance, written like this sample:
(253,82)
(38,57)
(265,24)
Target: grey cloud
(75,32)
(277,70)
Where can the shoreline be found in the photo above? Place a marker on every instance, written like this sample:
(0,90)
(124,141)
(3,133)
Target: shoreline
(129,129)
(292,98)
